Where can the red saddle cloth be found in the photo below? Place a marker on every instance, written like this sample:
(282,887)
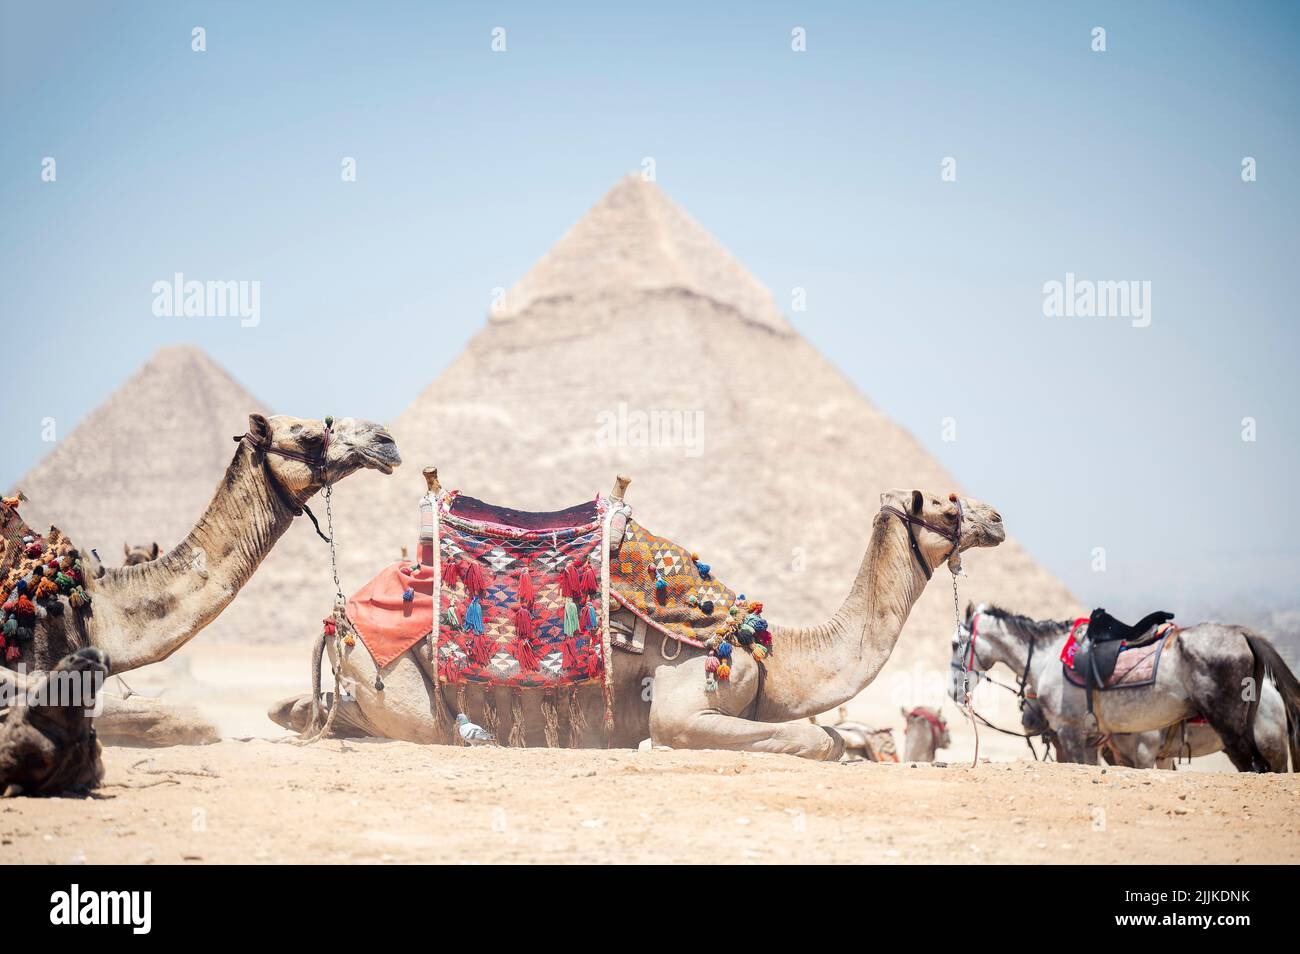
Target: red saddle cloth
(386,623)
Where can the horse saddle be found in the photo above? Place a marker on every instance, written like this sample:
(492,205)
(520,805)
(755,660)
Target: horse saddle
(1098,651)
(1104,628)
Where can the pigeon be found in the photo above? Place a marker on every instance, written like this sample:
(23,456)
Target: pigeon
(473,734)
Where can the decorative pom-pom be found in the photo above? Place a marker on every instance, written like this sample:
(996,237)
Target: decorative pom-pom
(724,650)
(711,663)
(760,652)
(724,671)
(660,583)
(707,607)
(408,595)
(710,683)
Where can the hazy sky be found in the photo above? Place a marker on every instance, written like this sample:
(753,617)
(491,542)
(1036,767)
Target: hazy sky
(819,169)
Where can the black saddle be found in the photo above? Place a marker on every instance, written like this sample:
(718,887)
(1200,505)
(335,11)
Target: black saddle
(1104,628)
(1098,652)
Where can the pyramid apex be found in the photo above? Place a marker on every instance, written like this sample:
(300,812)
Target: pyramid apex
(636,239)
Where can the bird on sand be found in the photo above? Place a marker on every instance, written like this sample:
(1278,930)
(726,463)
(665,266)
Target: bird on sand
(473,734)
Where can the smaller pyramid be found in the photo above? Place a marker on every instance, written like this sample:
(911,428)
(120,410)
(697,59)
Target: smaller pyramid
(636,240)
(142,466)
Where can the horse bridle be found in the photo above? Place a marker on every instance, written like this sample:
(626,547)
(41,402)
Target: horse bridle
(911,520)
(317,463)
(966,667)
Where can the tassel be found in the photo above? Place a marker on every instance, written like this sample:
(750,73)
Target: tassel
(588,581)
(569,652)
(475,579)
(593,620)
(491,718)
(474,617)
(449,616)
(479,649)
(550,719)
(450,572)
(577,719)
(523,651)
(516,739)
(12,653)
(570,617)
(523,622)
(408,595)
(571,582)
(527,592)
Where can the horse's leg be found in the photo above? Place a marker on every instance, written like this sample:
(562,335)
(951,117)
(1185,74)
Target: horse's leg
(1218,668)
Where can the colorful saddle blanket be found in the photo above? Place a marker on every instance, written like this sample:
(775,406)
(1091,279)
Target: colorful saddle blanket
(676,594)
(519,597)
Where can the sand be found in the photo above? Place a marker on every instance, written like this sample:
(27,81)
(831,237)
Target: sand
(365,802)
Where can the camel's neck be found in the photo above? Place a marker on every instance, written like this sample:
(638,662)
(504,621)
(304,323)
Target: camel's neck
(142,614)
(817,668)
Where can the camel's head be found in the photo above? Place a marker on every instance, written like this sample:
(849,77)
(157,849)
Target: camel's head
(304,454)
(140,553)
(937,519)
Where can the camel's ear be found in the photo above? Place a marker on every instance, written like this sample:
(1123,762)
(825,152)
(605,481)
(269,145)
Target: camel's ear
(918,501)
(155,549)
(259,428)
(126,549)
(903,709)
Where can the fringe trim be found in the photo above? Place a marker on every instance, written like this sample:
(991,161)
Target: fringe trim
(491,718)
(551,719)
(516,739)
(577,720)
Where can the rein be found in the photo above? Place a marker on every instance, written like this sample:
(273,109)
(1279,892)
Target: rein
(316,463)
(967,668)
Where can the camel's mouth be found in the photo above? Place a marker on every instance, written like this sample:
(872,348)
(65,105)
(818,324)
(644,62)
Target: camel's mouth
(380,453)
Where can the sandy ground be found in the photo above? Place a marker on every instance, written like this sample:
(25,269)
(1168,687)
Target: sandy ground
(259,797)
(260,801)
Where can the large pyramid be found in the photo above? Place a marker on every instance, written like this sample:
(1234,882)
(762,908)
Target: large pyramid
(774,477)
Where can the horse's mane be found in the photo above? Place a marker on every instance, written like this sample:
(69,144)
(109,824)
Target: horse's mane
(1038,630)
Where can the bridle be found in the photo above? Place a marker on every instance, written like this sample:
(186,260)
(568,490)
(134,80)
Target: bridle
(317,463)
(937,726)
(967,668)
(953,536)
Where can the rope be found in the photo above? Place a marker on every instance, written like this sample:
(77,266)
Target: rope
(606,645)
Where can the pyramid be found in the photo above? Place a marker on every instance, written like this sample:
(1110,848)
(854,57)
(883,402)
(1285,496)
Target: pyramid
(773,476)
(142,466)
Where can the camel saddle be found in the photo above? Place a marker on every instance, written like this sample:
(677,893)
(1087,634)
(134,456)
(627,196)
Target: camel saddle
(1091,657)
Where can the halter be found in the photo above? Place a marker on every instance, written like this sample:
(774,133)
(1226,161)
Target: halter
(317,463)
(966,667)
(910,520)
(937,726)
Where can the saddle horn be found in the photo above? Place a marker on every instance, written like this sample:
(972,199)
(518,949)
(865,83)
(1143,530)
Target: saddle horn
(620,486)
(431,480)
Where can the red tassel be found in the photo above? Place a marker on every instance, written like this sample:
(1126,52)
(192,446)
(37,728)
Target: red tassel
(523,651)
(474,578)
(527,592)
(330,629)
(450,572)
(12,653)
(583,627)
(588,581)
(571,582)
(450,673)
(569,652)
(479,649)
(523,622)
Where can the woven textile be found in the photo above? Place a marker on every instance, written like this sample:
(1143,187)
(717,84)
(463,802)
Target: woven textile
(1137,666)
(688,606)
(520,606)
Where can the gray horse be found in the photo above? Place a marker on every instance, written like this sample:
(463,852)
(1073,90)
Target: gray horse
(1224,673)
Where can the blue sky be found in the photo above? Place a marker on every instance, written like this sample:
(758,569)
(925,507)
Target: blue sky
(818,169)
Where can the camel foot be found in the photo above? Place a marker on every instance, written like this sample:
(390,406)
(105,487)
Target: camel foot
(152,723)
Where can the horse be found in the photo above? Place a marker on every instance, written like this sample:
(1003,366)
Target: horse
(1233,678)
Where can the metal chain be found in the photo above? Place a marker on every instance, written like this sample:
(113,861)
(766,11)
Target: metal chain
(334,560)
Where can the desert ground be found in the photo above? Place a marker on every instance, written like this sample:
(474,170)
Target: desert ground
(359,802)
(259,797)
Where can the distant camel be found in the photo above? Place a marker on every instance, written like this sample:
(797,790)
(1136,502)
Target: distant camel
(140,553)
(926,733)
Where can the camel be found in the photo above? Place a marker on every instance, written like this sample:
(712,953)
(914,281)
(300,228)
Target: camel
(1206,671)
(812,669)
(142,614)
(926,733)
(47,735)
(140,553)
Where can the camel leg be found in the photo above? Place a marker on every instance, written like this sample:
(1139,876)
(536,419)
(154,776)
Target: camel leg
(683,715)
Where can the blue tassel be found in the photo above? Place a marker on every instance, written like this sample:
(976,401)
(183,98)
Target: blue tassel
(703,569)
(660,583)
(408,595)
(592,621)
(474,618)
